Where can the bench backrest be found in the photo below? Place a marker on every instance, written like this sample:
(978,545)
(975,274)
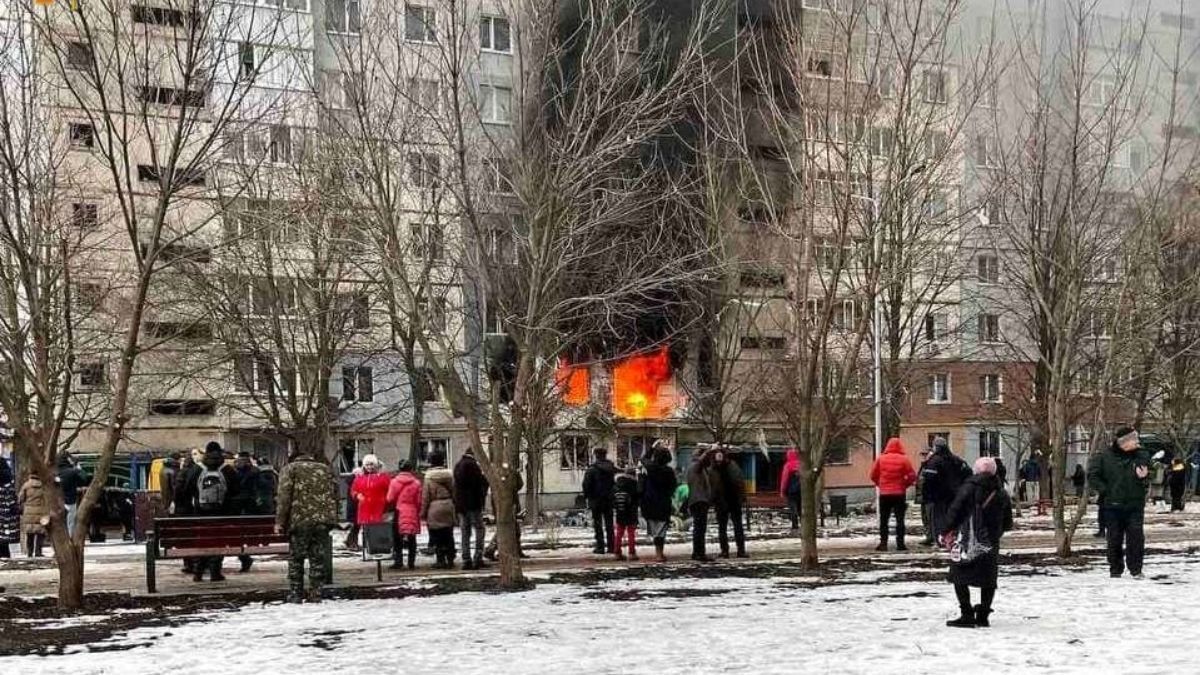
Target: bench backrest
(206,532)
(765,500)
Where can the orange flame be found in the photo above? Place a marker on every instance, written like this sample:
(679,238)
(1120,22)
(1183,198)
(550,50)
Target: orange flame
(573,382)
(635,386)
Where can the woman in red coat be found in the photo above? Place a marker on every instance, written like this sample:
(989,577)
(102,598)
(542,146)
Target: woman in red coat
(789,487)
(892,474)
(369,490)
(405,493)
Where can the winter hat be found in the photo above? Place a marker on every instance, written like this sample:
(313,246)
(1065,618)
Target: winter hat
(404,465)
(372,463)
(940,444)
(1123,434)
(985,465)
(213,447)
(600,453)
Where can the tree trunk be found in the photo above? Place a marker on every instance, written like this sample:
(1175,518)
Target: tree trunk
(533,487)
(508,548)
(69,559)
(810,502)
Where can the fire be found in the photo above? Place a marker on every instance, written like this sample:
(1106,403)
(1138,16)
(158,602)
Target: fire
(635,385)
(574,383)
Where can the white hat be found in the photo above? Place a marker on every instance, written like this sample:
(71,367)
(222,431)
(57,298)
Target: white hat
(372,461)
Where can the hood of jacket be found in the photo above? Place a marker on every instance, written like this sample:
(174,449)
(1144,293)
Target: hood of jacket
(605,465)
(792,456)
(626,478)
(893,447)
(404,478)
(986,481)
(440,475)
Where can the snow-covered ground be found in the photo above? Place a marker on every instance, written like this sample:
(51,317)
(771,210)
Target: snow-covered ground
(1063,621)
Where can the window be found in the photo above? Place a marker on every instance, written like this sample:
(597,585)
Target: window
(935,207)
(92,376)
(177,406)
(576,453)
(426,446)
(1106,270)
(885,81)
(761,278)
(420,24)
(820,65)
(358,310)
(343,16)
(939,388)
(495,35)
(89,295)
(427,241)
(172,96)
(769,153)
(991,388)
(935,144)
(881,141)
(993,211)
(280,146)
(933,86)
(253,373)
(838,452)
(424,95)
(497,175)
(1181,21)
(944,435)
(936,327)
(1099,324)
(83,135)
(770,343)
(342,89)
(495,104)
(79,55)
(847,317)
(987,151)
(424,169)
(167,330)
(357,384)
(351,452)
(631,448)
(989,443)
(246,62)
(151,174)
(85,216)
(988,269)
(987,95)
(434,312)
(301,5)
(159,16)
(989,328)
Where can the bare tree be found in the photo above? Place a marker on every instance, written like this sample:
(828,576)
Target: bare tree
(145,98)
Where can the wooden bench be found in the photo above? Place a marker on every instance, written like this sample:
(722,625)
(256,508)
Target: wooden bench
(762,503)
(201,536)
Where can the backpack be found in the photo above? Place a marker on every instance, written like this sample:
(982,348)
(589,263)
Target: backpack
(973,539)
(211,489)
(793,485)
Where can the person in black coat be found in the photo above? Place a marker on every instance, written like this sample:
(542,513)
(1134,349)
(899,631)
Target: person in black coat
(598,483)
(942,476)
(470,496)
(625,509)
(978,518)
(729,496)
(213,463)
(656,485)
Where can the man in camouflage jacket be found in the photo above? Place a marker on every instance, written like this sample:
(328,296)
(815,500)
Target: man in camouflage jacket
(306,510)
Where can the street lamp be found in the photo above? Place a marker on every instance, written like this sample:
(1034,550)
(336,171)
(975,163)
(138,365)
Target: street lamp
(877,309)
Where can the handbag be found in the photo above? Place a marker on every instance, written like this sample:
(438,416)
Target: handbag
(967,547)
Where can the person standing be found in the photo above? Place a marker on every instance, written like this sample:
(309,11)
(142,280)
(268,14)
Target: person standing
(244,497)
(598,483)
(1079,479)
(306,510)
(943,475)
(657,488)
(10,510)
(35,512)
(470,498)
(369,492)
(268,484)
(979,516)
(1194,468)
(404,493)
(437,509)
(625,509)
(700,491)
(729,495)
(183,496)
(70,479)
(892,473)
(213,495)
(1121,477)
(790,486)
(1177,483)
(1031,478)
(166,482)
(925,504)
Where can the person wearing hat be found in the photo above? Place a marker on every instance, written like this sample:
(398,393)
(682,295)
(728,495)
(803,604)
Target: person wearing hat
(979,516)
(943,474)
(470,498)
(212,497)
(598,483)
(925,504)
(1177,482)
(369,490)
(243,497)
(404,492)
(437,509)
(1120,476)
(306,510)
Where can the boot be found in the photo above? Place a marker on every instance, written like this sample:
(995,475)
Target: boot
(966,620)
(468,565)
(479,564)
(633,554)
(882,548)
(294,597)
(620,555)
(659,553)
(900,545)
(981,616)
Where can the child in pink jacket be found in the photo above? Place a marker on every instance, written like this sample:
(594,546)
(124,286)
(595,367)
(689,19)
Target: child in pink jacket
(405,493)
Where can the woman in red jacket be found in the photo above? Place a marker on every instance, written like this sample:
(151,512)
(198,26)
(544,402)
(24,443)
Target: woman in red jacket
(405,494)
(892,474)
(789,487)
(369,491)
